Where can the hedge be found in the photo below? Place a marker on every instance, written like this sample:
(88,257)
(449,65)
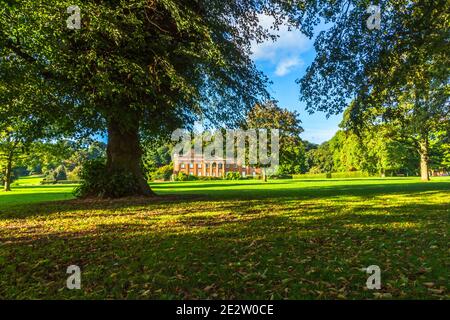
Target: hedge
(61,182)
(334,175)
(350,174)
(308,176)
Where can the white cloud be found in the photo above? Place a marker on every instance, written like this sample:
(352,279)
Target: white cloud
(285,66)
(284,53)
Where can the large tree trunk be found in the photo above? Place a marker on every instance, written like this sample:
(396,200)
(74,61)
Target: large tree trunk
(8,174)
(124,154)
(424,158)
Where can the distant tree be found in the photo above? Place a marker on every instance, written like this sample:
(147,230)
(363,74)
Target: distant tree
(293,159)
(60,173)
(440,151)
(309,145)
(14,141)
(162,173)
(399,73)
(320,160)
(156,154)
(270,116)
(374,151)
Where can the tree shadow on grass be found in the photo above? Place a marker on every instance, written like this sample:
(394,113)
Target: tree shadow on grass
(200,185)
(309,192)
(198,195)
(21,210)
(254,255)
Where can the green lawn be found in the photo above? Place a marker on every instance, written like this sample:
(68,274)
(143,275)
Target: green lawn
(230,239)
(27,190)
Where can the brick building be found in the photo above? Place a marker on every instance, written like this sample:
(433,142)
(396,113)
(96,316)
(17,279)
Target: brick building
(194,164)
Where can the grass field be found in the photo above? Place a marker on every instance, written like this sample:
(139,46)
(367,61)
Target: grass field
(27,190)
(283,239)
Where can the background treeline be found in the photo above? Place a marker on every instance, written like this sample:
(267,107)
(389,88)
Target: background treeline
(55,161)
(377,150)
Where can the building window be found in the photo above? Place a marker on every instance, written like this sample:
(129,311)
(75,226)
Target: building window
(220,166)
(207,165)
(191,173)
(228,165)
(243,173)
(191,165)
(199,165)
(182,166)
(199,174)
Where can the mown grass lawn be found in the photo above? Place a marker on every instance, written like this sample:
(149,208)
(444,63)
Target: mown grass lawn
(230,239)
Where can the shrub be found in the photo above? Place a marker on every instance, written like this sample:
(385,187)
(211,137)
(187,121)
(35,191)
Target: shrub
(208,178)
(281,176)
(36,170)
(61,182)
(75,173)
(334,175)
(49,177)
(60,173)
(20,172)
(96,182)
(308,176)
(162,173)
(233,176)
(350,174)
(181,176)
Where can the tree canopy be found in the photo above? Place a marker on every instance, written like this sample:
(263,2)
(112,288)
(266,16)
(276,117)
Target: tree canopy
(136,67)
(374,67)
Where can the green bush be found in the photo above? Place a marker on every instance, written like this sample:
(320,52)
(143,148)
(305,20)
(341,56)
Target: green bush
(309,176)
(280,176)
(208,178)
(162,173)
(60,173)
(181,176)
(49,177)
(233,176)
(350,174)
(43,182)
(13,177)
(96,182)
(54,175)
(334,175)
(74,174)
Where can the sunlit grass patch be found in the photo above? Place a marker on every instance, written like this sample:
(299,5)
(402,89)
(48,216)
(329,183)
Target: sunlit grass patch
(242,239)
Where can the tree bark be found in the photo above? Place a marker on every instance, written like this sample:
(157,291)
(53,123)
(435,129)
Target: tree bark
(264,174)
(124,154)
(424,159)
(8,174)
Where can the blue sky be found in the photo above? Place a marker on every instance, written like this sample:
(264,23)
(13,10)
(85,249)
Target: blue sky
(285,61)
